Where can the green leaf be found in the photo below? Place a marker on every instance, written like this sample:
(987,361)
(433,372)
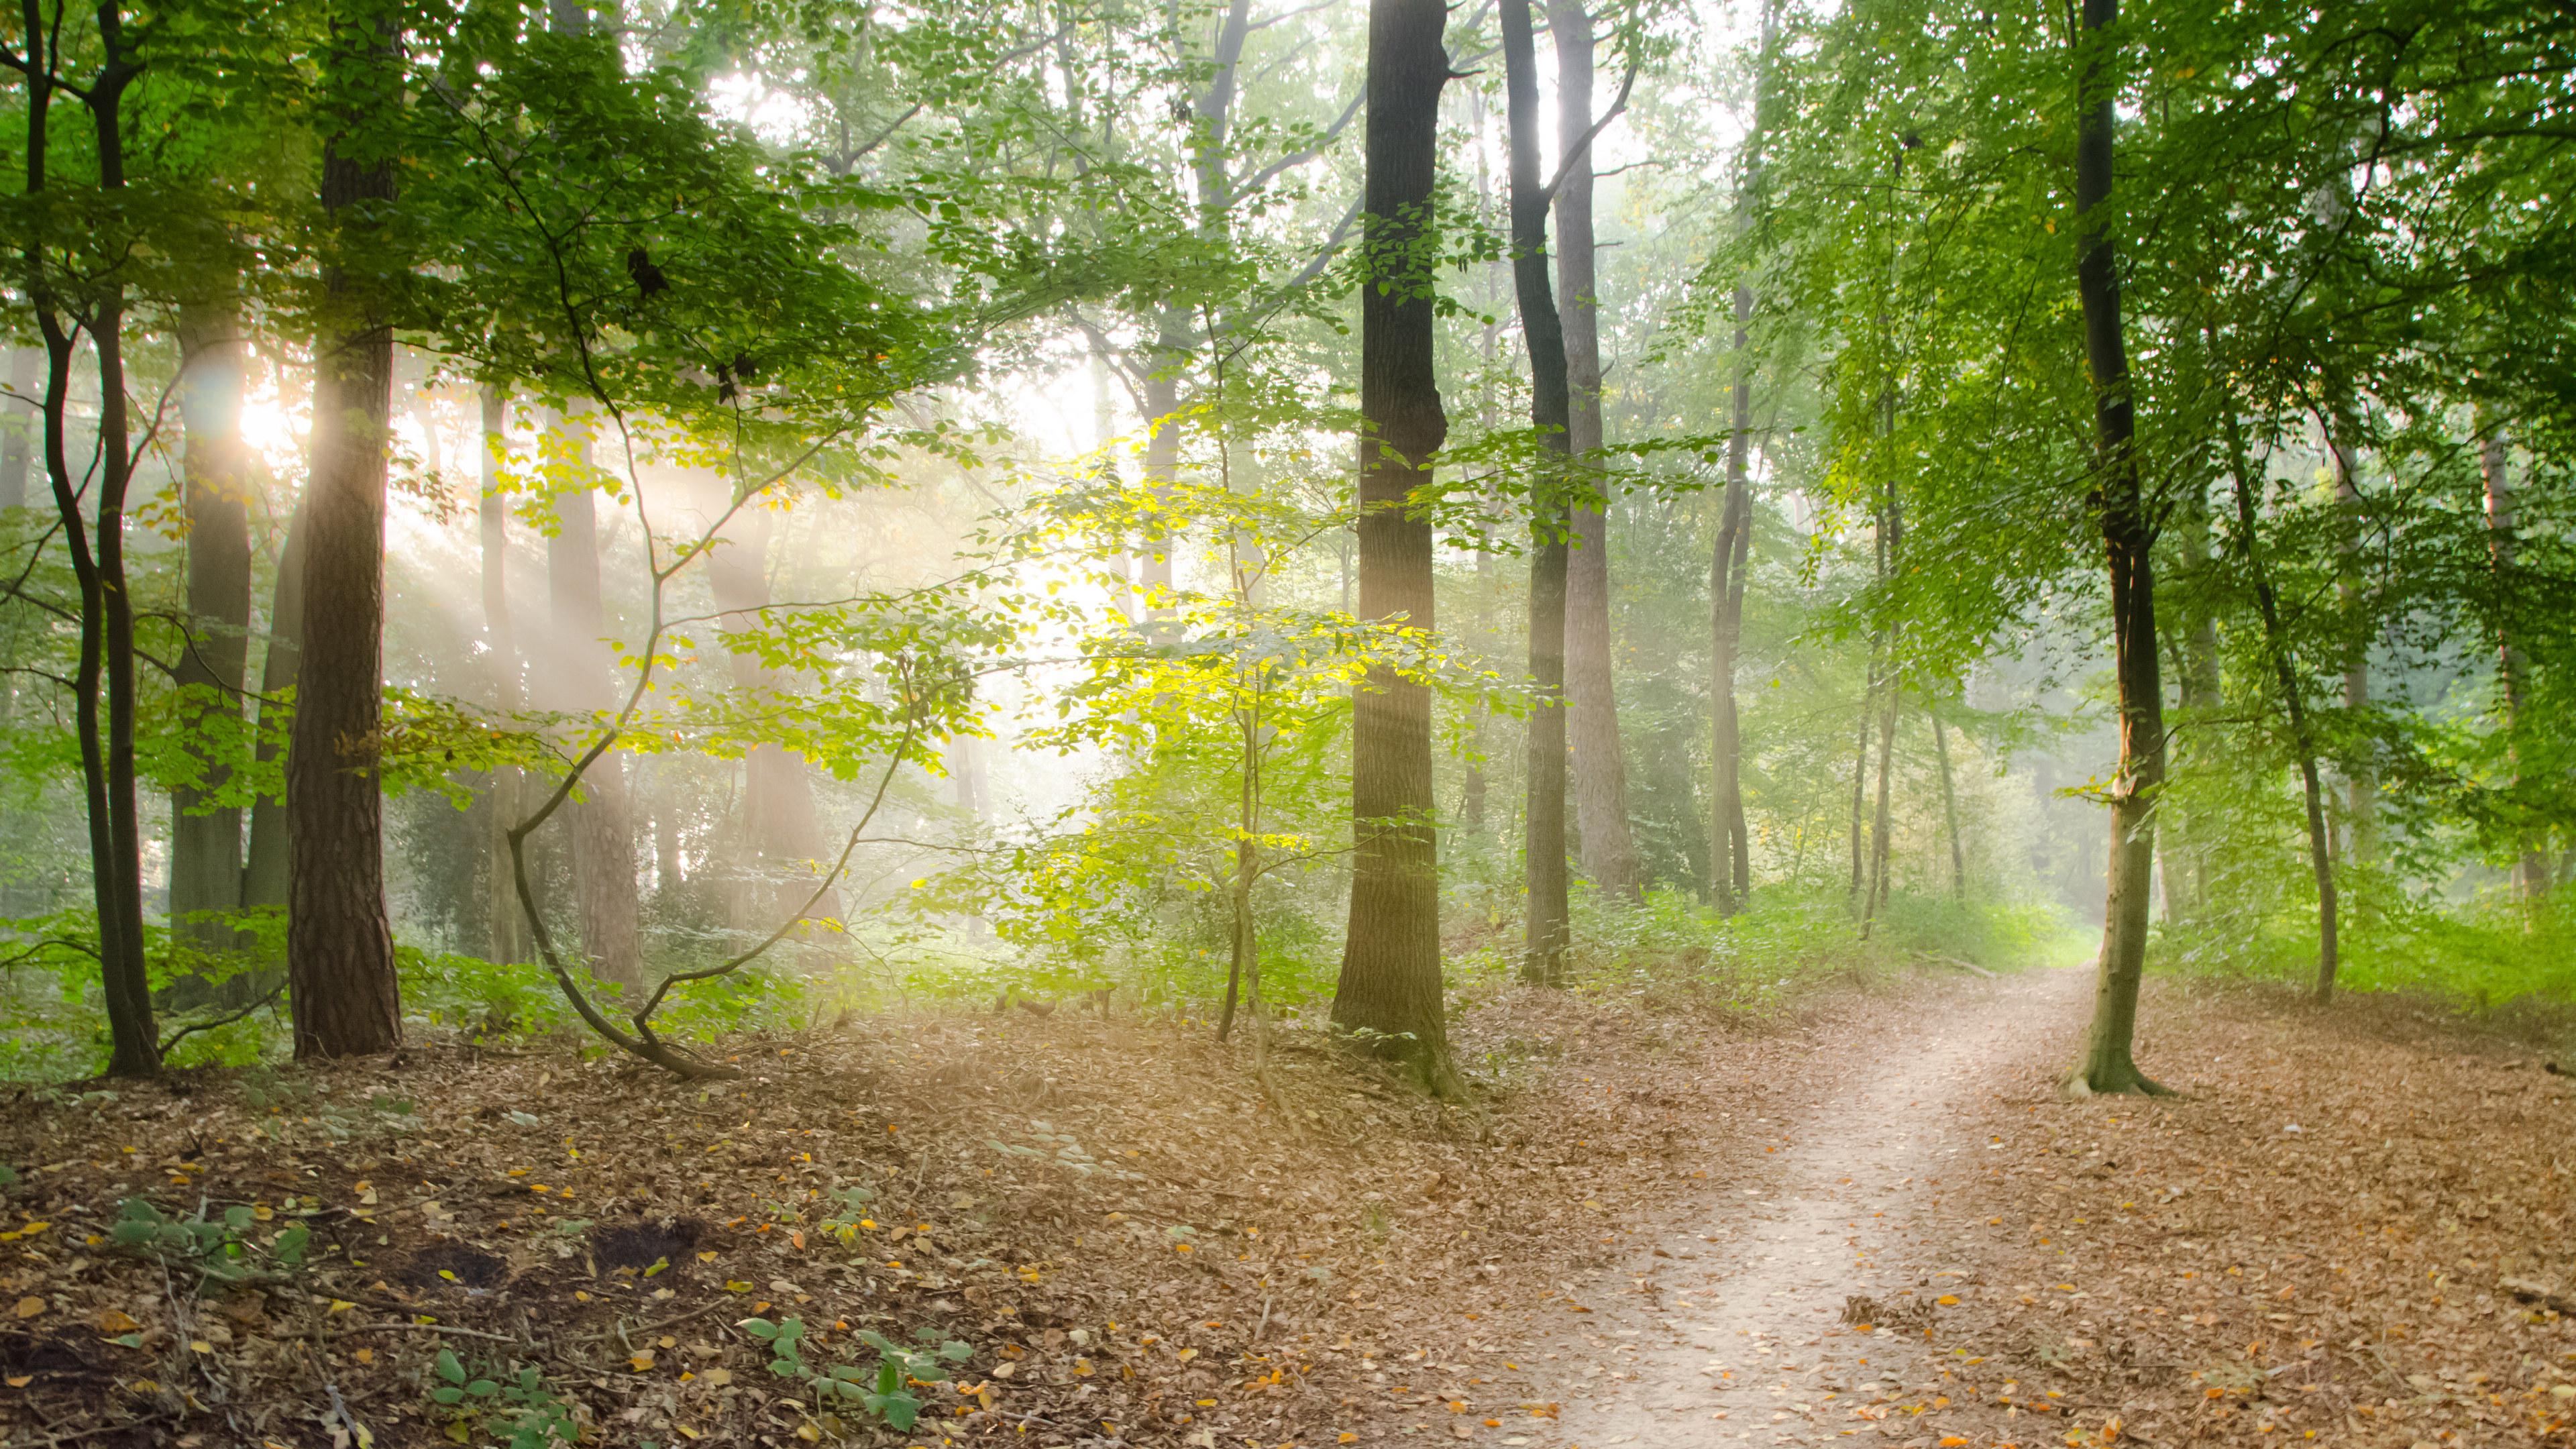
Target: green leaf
(759,1328)
(448,1368)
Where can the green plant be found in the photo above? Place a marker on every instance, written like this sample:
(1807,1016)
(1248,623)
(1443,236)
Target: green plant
(520,1404)
(886,1393)
(220,1249)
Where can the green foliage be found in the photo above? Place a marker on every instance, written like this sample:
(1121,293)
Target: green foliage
(224,1250)
(886,1391)
(516,1403)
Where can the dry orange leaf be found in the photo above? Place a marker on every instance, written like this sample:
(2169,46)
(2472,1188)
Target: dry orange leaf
(30,1306)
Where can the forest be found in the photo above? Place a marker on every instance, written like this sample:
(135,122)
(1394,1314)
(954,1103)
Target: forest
(1287,722)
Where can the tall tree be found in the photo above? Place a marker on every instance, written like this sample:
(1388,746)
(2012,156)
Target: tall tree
(1549,921)
(2128,539)
(1730,846)
(1608,844)
(206,838)
(71,297)
(268,860)
(1390,982)
(2495,465)
(339,943)
(782,832)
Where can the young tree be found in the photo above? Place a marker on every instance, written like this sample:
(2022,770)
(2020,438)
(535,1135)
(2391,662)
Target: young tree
(1390,986)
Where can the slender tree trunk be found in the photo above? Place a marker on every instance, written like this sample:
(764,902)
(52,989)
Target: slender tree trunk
(1729,845)
(1609,845)
(2109,1063)
(268,863)
(2185,854)
(1549,920)
(104,674)
(340,953)
(508,928)
(2531,869)
(2361,785)
(602,829)
(1949,806)
(1860,782)
(1892,695)
(2285,670)
(20,425)
(1390,983)
(206,840)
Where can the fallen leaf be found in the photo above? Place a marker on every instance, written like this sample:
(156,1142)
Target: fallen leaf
(30,1306)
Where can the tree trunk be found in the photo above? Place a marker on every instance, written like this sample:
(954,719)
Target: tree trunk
(2285,670)
(507,928)
(1600,764)
(1949,806)
(206,840)
(1729,845)
(340,950)
(19,425)
(1892,695)
(2128,538)
(601,821)
(104,674)
(1390,984)
(267,863)
(2361,784)
(1550,926)
(2186,863)
(2531,869)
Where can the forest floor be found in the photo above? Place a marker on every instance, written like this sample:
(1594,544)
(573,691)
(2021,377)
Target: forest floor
(1870,1218)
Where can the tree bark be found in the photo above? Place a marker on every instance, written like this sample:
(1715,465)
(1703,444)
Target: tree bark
(1390,984)
(206,840)
(1729,844)
(2361,784)
(1549,924)
(2531,868)
(340,953)
(1609,845)
(2185,854)
(1892,695)
(268,863)
(2109,1063)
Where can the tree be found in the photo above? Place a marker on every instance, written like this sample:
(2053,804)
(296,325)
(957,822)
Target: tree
(340,950)
(206,834)
(1390,986)
(1609,847)
(2128,542)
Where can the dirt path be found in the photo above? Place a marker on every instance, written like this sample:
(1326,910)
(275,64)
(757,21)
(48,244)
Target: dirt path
(1733,1329)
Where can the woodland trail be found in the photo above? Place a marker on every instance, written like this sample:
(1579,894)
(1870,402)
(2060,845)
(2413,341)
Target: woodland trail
(1732,1326)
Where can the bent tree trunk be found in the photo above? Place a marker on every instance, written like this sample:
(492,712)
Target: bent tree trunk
(339,944)
(2127,538)
(1609,846)
(1390,979)
(1550,927)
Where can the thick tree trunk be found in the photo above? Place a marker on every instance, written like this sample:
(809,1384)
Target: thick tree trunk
(1390,984)
(206,840)
(601,822)
(2531,869)
(1600,763)
(1550,925)
(340,951)
(507,930)
(2128,539)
